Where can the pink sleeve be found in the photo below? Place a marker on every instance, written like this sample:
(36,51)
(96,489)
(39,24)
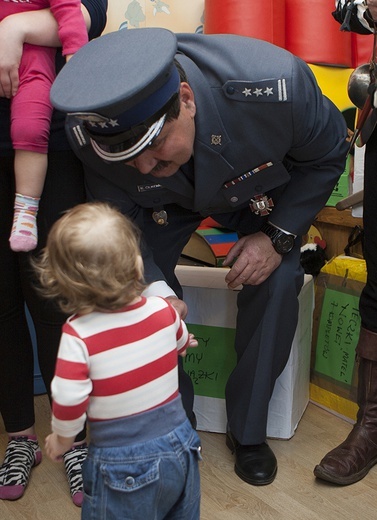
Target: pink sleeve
(72,30)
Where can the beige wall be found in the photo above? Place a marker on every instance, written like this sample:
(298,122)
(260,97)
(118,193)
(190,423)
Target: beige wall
(176,15)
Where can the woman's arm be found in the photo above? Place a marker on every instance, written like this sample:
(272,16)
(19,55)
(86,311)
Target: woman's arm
(20,28)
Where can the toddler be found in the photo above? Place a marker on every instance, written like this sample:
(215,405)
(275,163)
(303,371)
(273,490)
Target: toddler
(117,368)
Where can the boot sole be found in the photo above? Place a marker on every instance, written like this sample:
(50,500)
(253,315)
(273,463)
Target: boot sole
(322,474)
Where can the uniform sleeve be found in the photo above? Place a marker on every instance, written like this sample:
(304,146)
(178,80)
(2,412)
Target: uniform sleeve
(71,24)
(317,155)
(71,386)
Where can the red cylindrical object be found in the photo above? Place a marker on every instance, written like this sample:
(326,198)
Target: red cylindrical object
(313,34)
(263,20)
(362,48)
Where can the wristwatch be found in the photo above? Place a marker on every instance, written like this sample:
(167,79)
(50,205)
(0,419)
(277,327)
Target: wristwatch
(283,242)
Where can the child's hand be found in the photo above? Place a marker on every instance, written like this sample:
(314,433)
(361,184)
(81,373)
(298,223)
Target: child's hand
(56,446)
(68,57)
(191,343)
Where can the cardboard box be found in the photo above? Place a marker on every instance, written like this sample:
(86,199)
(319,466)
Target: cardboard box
(212,317)
(336,328)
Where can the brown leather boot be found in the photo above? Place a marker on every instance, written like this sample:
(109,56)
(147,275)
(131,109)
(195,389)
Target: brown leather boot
(354,457)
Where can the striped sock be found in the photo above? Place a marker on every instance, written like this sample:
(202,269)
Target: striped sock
(24,235)
(21,455)
(73,461)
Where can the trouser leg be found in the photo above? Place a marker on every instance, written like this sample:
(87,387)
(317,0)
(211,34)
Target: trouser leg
(266,324)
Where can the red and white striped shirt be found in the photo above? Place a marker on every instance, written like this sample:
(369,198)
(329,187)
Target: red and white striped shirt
(116,364)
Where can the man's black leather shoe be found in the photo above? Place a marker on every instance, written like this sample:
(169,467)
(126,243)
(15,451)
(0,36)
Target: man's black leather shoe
(255,464)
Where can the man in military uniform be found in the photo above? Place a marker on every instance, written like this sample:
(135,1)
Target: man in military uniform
(174,128)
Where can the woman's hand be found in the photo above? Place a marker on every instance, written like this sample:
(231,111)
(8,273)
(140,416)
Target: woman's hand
(11,46)
(34,27)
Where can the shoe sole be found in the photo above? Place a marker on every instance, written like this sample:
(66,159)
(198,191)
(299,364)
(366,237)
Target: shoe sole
(254,482)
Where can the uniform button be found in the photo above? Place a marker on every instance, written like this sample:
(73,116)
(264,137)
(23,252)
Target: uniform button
(234,199)
(230,90)
(130,481)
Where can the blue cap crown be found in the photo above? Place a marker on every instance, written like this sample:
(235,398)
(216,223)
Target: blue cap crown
(121,85)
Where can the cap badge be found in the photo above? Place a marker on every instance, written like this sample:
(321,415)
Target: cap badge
(96,120)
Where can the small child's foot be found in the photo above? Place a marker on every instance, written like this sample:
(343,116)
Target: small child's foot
(73,461)
(24,234)
(21,455)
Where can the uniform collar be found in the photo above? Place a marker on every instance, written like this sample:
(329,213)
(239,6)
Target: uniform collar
(211,138)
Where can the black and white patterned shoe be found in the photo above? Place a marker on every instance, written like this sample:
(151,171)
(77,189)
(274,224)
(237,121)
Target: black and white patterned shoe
(73,461)
(21,455)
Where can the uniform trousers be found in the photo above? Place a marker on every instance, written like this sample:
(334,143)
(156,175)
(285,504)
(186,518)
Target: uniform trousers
(266,320)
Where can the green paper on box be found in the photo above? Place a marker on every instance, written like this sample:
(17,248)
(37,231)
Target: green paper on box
(212,316)
(338,333)
(336,327)
(210,364)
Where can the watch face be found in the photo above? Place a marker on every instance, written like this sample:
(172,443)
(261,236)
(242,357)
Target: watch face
(284,243)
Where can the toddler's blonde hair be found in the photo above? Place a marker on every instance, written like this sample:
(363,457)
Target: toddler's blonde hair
(92,260)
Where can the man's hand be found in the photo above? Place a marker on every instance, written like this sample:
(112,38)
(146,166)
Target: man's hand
(256,260)
(179,306)
(11,46)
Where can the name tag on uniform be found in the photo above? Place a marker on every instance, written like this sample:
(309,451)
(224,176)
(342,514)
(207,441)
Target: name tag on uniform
(144,188)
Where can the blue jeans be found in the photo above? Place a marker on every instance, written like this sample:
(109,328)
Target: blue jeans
(132,474)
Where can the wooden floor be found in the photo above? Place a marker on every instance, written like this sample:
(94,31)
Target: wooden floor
(295,493)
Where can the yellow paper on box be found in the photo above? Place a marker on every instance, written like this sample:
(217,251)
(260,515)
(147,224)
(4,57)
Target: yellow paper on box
(347,267)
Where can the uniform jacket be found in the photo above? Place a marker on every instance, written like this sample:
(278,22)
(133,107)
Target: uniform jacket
(262,127)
